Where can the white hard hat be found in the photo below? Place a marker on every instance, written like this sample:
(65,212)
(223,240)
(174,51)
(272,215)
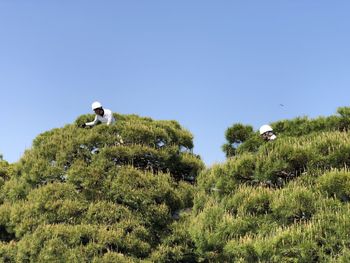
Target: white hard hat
(265,128)
(95,105)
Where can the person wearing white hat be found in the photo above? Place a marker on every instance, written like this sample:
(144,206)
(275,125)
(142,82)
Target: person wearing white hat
(266,133)
(102,115)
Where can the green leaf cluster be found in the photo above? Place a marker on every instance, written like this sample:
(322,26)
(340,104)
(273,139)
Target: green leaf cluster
(280,201)
(104,194)
(241,138)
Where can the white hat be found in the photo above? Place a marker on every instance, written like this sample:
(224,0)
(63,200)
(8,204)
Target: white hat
(265,128)
(95,105)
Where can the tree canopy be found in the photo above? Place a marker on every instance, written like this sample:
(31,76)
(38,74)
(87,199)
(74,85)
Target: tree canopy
(135,192)
(105,194)
(280,201)
(242,138)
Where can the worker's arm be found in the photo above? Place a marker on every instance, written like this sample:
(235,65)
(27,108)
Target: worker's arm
(92,123)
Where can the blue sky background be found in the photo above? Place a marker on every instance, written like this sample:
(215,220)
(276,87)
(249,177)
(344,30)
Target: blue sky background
(206,64)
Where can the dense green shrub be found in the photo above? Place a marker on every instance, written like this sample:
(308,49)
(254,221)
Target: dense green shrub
(224,178)
(203,230)
(235,136)
(8,252)
(343,257)
(317,240)
(62,243)
(85,195)
(248,200)
(276,163)
(177,246)
(293,203)
(336,183)
(279,201)
(241,251)
(112,257)
(296,127)
(101,194)
(5,170)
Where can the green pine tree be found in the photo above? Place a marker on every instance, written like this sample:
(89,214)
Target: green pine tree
(280,201)
(105,194)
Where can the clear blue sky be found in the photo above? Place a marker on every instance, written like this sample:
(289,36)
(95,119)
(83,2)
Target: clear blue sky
(206,64)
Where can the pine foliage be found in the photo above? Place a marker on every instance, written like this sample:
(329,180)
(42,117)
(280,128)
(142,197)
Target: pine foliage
(280,201)
(135,192)
(105,194)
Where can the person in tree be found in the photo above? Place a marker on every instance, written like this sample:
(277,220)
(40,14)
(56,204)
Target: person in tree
(266,133)
(102,115)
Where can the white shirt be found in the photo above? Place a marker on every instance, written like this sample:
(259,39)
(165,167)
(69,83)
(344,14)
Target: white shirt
(106,118)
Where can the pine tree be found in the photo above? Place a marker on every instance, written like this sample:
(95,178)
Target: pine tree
(280,201)
(107,193)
